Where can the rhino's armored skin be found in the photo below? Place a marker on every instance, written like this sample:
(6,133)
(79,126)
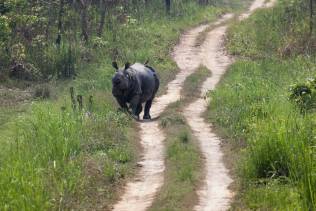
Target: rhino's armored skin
(135,85)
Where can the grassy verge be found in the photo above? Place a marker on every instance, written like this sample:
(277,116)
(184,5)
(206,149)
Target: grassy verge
(184,164)
(60,159)
(191,87)
(54,158)
(251,106)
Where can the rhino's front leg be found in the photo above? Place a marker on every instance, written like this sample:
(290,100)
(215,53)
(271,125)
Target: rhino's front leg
(122,104)
(134,104)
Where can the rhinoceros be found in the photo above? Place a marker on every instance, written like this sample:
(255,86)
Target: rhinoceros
(134,85)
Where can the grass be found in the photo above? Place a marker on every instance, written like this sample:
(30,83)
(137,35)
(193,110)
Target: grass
(288,34)
(191,86)
(49,161)
(252,106)
(54,158)
(272,196)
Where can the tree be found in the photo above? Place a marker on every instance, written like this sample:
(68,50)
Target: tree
(60,23)
(102,17)
(84,4)
(203,2)
(311,14)
(168,6)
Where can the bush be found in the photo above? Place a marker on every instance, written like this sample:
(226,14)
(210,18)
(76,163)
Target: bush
(56,61)
(304,95)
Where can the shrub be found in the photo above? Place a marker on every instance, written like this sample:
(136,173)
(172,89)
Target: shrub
(304,95)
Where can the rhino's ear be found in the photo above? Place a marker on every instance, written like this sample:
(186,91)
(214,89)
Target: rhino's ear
(127,65)
(114,64)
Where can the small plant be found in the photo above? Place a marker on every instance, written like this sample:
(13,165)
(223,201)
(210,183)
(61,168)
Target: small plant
(110,171)
(171,120)
(303,95)
(120,155)
(184,137)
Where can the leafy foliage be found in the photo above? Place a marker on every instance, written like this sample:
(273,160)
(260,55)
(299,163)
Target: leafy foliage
(58,36)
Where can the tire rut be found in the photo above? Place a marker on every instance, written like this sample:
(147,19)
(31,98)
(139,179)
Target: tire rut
(214,194)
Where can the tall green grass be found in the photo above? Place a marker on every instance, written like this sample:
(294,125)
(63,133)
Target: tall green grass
(282,31)
(43,166)
(253,106)
(45,145)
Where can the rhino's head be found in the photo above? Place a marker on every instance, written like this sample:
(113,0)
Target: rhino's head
(121,79)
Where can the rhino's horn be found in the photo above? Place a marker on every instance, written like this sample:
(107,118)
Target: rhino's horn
(127,65)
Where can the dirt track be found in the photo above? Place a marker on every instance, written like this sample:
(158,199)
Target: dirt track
(214,194)
(139,194)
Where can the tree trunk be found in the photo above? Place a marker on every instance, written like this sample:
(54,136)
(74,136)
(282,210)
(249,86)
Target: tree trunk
(84,20)
(146,3)
(168,6)
(60,23)
(203,2)
(311,23)
(102,18)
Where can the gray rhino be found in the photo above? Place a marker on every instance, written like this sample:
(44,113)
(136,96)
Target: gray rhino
(134,85)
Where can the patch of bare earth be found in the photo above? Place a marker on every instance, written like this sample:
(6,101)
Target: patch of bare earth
(12,97)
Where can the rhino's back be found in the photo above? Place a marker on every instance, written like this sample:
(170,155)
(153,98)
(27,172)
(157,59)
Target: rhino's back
(143,70)
(148,79)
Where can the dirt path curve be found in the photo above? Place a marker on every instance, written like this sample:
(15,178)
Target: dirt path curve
(215,193)
(140,193)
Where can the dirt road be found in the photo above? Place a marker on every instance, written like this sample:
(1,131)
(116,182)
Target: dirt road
(214,194)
